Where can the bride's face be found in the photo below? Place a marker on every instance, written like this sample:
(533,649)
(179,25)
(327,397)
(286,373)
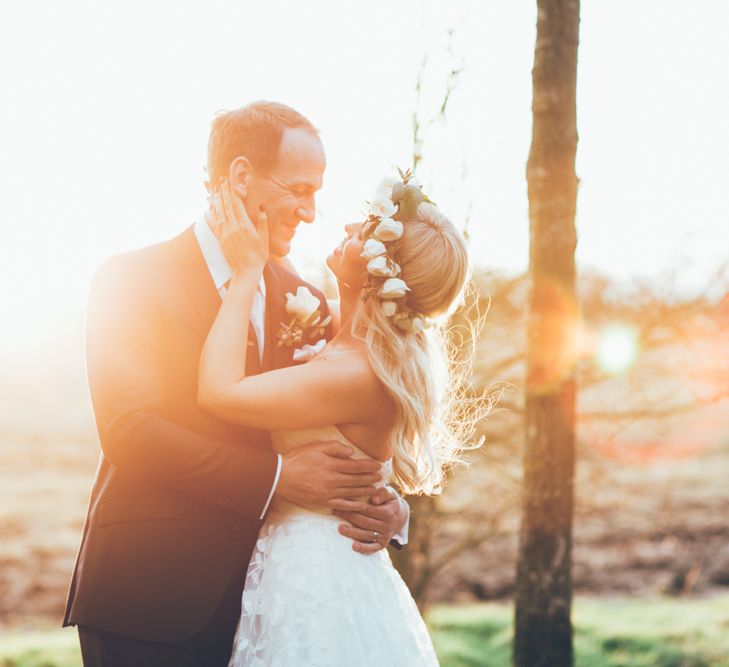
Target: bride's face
(346,262)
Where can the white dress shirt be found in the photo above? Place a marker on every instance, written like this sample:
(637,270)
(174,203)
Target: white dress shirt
(221,273)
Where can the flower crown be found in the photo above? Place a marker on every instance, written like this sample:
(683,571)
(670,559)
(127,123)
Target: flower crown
(396,201)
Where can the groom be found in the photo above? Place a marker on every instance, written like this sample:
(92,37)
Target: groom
(179,495)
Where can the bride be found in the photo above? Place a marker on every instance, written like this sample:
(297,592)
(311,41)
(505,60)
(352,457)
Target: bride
(381,385)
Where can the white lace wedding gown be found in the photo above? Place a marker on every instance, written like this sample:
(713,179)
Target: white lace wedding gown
(310,600)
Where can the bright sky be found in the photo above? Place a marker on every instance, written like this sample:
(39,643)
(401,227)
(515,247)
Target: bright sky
(106,109)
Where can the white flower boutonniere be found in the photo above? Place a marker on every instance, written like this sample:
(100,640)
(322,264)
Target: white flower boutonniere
(303,305)
(305,322)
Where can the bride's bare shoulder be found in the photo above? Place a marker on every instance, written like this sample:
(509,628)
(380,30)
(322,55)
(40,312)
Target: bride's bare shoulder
(354,370)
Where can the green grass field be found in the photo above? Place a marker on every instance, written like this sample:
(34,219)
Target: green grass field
(654,632)
(658,632)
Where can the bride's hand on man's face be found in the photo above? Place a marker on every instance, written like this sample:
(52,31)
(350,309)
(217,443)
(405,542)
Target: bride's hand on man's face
(244,243)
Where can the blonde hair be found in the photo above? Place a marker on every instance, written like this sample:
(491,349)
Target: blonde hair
(425,374)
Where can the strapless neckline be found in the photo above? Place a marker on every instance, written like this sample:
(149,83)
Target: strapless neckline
(284,441)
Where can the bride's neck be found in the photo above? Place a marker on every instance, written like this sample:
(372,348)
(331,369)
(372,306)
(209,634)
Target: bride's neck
(348,298)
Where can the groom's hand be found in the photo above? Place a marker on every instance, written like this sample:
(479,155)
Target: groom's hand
(374,527)
(323,474)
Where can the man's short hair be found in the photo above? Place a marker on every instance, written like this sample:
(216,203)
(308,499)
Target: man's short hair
(253,131)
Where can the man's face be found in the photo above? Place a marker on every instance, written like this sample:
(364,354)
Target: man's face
(288,190)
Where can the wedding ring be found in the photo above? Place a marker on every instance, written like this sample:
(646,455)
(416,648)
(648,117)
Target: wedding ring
(375,535)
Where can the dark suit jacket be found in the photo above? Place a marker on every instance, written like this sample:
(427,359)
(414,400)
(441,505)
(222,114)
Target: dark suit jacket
(175,506)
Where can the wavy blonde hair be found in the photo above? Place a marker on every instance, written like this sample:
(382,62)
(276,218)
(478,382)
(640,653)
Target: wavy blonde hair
(425,374)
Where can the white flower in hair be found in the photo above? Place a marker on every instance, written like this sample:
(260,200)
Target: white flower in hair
(401,196)
(382,207)
(384,189)
(303,305)
(417,324)
(394,288)
(377,266)
(388,230)
(382,268)
(389,308)
(373,248)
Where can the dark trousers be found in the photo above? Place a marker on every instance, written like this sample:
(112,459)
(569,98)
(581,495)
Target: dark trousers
(210,647)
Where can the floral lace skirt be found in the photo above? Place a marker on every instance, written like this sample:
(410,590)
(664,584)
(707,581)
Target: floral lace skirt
(310,600)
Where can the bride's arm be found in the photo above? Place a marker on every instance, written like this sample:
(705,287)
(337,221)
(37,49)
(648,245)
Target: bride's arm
(223,359)
(245,246)
(318,393)
(321,392)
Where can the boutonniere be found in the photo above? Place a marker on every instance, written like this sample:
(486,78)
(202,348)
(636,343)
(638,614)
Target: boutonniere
(305,322)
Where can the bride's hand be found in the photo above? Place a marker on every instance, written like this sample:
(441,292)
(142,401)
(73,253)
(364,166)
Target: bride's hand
(244,244)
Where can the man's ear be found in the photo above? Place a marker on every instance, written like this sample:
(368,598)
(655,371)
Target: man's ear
(239,175)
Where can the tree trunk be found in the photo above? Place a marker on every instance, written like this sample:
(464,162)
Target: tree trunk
(415,560)
(543,628)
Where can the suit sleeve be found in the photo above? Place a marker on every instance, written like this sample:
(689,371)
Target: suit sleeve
(127,389)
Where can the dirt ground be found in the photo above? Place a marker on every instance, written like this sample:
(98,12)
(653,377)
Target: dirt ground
(639,530)
(665,528)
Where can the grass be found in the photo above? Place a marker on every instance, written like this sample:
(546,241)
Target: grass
(655,632)
(56,648)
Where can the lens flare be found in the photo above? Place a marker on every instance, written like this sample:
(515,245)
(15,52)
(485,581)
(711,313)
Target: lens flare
(617,349)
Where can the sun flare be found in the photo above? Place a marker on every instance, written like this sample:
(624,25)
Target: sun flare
(617,348)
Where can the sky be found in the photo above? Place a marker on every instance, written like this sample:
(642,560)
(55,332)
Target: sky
(107,106)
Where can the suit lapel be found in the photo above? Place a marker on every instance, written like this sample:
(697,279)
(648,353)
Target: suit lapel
(273,356)
(195,278)
(204,297)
